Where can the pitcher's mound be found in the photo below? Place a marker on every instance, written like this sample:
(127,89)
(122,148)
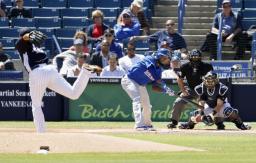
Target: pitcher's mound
(23,142)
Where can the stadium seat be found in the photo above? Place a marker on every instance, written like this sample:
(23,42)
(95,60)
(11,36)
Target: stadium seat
(23,22)
(110,12)
(65,43)
(65,32)
(4,22)
(42,12)
(74,22)
(9,33)
(247,23)
(31,4)
(249,4)
(8,43)
(249,14)
(74,13)
(107,4)
(8,3)
(235,4)
(13,54)
(53,23)
(110,21)
(142,45)
(48,32)
(11,75)
(55,4)
(84,4)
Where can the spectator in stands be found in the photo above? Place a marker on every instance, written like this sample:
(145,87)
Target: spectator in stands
(69,57)
(83,36)
(101,58)
(174,70)
(19,11)
(2,9)
(75,70)
(126,28)
(174,39)
(112,70)
(114,46)
(96,30)
(137,15)
(231,31)
(5,60)
(131,59)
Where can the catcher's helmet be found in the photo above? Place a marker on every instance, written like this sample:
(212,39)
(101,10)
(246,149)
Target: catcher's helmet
(162,52)
(195,55)
(210,80)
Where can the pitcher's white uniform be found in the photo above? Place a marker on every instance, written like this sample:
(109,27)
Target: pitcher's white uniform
(42,75)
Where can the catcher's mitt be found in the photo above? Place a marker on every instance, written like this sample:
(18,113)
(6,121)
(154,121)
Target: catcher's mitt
(92,68)
(37,37)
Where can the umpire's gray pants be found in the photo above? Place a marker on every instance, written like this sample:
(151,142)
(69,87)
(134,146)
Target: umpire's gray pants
(140,99)
(179,105)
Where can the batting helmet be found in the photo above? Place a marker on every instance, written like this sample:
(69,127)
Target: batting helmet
(162,52)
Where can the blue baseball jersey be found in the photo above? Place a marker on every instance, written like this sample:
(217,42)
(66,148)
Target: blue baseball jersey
(145,71)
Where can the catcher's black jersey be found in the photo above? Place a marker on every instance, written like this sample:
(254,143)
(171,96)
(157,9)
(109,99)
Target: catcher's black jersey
(30,54)
(220,91)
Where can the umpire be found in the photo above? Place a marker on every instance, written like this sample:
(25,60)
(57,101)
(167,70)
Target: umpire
(193,71)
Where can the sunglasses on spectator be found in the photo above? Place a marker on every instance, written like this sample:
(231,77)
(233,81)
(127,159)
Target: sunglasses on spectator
(226,6)
(108,35)
(105,45)
(130,49)
(168,25)
(126,16)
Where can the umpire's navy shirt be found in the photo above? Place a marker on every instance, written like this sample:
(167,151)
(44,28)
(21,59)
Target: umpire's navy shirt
(145,71)
(175,41)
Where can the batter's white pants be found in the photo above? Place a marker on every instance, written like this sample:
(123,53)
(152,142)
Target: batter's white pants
(140,99)
(46,76)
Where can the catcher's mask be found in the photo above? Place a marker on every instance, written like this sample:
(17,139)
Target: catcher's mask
(210,80)
(195,56)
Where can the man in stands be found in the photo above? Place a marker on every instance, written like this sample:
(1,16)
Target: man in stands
(19,11)
(5,60)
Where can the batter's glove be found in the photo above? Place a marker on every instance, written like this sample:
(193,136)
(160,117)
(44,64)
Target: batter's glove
(92,68)
(37,37)
(169,91)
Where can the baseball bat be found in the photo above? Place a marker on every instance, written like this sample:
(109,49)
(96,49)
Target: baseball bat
(189,101)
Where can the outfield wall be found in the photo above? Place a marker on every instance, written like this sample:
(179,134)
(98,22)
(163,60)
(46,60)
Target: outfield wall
(105,100)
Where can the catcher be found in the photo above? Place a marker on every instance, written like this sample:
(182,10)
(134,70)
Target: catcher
(43,75)
(213,96)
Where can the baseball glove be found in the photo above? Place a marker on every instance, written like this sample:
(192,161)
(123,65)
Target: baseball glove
(92,68)
(37,37)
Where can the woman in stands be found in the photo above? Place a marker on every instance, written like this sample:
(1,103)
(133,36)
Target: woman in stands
(83,36)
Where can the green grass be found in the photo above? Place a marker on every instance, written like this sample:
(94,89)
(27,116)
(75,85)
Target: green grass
(226,148)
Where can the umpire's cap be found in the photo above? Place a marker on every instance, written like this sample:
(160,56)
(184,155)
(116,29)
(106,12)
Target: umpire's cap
(162,52)
(24,31)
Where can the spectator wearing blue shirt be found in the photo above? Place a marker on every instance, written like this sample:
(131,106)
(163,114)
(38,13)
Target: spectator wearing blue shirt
(114,46)
(134,83)
(231,31)
(126,28)
(2,9)
(173,39)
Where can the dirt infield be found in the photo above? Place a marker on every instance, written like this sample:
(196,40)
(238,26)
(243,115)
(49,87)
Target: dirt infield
(77,141)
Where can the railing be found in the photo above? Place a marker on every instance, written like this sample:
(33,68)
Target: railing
(253,53)
(181,14)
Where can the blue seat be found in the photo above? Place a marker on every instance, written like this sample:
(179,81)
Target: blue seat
(55,4)
(74,13)
(110,21)
(8,43)
(77,22)
(247,23)
(13,54)
(65,32)
(235,4)
(53,23)
(8,3)
(84,4)
(48,32)
(23,22)
(31,4)
(9,33)
(249,4)
(65,43)
(107,4)
(11,75)
(249,14)
(4,22)
(110,12)
(142,45)
(42,12)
